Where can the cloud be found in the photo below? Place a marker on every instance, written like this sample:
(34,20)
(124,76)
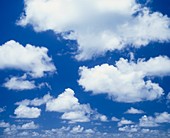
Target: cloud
(4,124)
(129,129)
(30,125)
(115,119)
(66,103)
(149,121)
(123,121)
(134,111)
(75,116)
(77,129)
(127,81)
(98,26)
(101,117)
(19,83)
(23,111)
(36,101)
(32,60)
(72,110)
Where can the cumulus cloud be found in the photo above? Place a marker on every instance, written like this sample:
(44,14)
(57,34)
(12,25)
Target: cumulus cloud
(19,130)
(66,103)
(23,111)
(124,121)
(30,59)
(4,124)
(72,110)
(98,26)
(127,81)
(75,116)
(36,101)
(168,96)
(129,129)
(19,83)
(149,121)
(63,102)
(115,119)
(77,129)
(134,111)
(30,125)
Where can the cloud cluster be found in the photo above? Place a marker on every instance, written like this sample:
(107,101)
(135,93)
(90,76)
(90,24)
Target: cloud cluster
(127,81)
(66,103)
(149,121)
(72,110)
(106,25)
(30,59)
(11,130)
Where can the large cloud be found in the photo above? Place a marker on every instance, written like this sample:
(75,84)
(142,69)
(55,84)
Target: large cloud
(99,25)
(33,60)
(126,81)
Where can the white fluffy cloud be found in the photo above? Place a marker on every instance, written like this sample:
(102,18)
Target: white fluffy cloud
(23,111)
(75,116)
(129,129)
(99,25)
(123,121)
(30,125)
(77,129)
(72,110)
(13,129)
(19,83)
(126,81)
(149,121)
(33,60)
(66,103)
(134,111)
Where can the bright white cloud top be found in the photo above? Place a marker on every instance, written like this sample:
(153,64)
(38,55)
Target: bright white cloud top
(33,60)
(107,25)
(125,82)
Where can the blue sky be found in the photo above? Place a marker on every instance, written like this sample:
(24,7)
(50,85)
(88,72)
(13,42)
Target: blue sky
(85,69)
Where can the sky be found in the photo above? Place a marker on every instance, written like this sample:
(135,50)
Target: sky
(85,68)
